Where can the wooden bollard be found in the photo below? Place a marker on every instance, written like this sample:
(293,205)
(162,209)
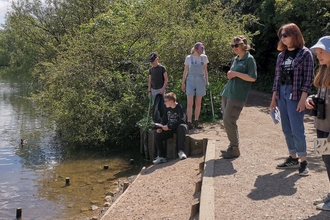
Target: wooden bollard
(105,167)
(19,213)
(126,184)
(67,181)
(131,161)
(198,186)
(205,140)
(194,209)
(201,166)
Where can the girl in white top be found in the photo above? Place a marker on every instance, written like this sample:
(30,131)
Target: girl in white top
(194,81)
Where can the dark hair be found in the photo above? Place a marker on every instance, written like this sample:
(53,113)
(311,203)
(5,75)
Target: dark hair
(242,40)
(170,96)
(292,30)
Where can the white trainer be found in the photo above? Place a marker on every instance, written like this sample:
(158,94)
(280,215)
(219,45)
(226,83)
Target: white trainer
(159,160)
(323,199)
(324,206)
(182,155)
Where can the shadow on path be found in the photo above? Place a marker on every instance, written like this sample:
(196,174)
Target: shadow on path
(323,215)
(223,168)
(271,185)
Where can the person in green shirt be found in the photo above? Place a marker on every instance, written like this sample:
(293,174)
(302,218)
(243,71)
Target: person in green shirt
(242,73)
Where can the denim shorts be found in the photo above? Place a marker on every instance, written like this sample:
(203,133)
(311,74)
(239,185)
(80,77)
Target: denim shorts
(196,85)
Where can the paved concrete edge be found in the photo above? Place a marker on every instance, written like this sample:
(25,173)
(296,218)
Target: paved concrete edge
(207,206)
(113,205)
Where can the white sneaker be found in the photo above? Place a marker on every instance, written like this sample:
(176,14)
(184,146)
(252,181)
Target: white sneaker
(159,160)
(324,206)
(323,199)
(182,155)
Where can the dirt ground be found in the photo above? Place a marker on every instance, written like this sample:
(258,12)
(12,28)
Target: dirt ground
(248,187)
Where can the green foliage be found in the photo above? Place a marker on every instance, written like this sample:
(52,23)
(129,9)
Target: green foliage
(91,67)
(34,30)
(311,16)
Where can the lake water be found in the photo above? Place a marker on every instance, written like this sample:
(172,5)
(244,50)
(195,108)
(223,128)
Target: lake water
(33,176)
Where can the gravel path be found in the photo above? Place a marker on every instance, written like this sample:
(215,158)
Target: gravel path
(248,187)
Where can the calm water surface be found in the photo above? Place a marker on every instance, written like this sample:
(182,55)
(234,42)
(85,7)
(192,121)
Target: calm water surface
(33,176)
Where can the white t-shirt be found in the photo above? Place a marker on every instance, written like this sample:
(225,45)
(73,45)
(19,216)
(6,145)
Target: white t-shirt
(196,60)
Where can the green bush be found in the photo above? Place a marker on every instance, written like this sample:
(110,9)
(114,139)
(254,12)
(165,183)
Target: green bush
(94,82)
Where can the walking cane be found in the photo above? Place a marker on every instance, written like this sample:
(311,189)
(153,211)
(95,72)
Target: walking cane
(145,149)
(213,118)
(147,122)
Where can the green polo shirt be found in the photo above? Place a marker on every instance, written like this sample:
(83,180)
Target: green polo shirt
(236,88)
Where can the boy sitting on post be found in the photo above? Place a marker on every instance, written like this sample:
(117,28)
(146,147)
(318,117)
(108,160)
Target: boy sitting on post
(174,121)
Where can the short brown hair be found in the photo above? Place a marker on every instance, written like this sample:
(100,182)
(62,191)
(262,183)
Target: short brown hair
(293,31)
(170,96)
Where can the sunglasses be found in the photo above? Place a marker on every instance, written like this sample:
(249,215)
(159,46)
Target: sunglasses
(234,45)
(283,35)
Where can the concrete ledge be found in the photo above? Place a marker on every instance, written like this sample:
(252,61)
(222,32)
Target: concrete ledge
(192,146)
(206,209)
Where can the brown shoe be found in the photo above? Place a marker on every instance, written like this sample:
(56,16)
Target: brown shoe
(197,125)
(231,152)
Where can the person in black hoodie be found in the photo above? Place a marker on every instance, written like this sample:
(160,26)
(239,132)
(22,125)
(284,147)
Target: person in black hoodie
(174,121)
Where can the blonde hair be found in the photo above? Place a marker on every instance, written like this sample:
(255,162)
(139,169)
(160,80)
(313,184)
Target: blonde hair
(322,77)
(170,96)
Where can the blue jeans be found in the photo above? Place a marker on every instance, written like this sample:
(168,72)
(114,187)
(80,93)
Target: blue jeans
(196,85)
(292,122)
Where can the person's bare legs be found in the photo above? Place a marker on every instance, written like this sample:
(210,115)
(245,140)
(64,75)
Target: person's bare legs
(198,104)
(302,158)
(294,156)
(190,103)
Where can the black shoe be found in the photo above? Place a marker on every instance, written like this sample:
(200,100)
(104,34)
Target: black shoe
(190,126)
(290,163)
(303,169)
(197,125)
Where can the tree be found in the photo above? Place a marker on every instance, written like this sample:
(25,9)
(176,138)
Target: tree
(34,29)
(96,90)
(88,58)
(311,16)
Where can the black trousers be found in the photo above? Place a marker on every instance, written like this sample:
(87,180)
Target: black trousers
(326,158)
(165,135)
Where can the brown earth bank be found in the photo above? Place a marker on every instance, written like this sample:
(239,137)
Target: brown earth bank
(248,187)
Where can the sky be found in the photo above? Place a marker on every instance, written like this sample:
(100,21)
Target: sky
(4,6)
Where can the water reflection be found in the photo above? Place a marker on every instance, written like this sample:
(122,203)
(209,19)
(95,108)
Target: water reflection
(89,183)
(33,175)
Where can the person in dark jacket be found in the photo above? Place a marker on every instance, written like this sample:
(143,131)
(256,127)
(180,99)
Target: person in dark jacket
(159,108)
(174,121)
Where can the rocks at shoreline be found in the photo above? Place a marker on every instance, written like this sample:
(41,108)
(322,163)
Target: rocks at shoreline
(111,197)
